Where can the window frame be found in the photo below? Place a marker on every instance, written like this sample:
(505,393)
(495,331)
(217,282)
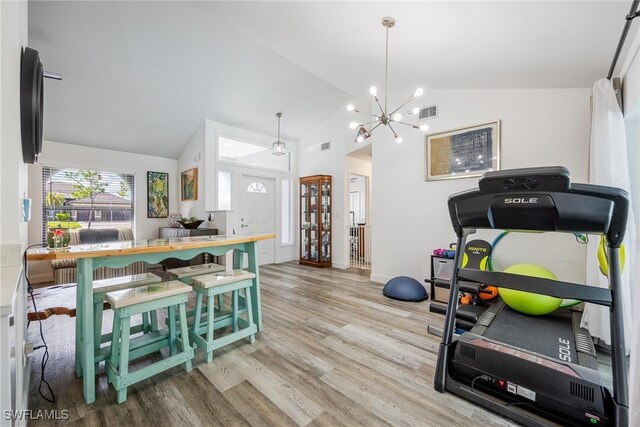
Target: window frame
(48,171)
(289,170)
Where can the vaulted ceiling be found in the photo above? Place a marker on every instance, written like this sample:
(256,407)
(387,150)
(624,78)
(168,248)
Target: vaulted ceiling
(142,76)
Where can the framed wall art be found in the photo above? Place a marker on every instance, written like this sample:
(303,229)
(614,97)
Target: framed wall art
(189,184)
(157,194)
(463,152)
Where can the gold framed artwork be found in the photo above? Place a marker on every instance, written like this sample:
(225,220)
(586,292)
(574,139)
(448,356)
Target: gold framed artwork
(463,152)
(189,184)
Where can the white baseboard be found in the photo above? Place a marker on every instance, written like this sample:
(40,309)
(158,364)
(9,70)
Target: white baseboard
(379,278)
(285,259)
(340,265)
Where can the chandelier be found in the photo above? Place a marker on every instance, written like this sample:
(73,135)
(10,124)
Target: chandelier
(386,117)
(278,145)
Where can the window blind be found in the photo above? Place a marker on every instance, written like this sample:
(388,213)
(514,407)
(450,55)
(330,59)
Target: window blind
(82,198)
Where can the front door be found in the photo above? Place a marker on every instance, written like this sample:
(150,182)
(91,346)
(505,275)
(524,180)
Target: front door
(256,213)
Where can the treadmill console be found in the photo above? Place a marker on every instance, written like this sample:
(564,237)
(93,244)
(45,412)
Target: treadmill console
(556,178)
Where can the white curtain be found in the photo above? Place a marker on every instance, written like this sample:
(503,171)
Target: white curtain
(608,165)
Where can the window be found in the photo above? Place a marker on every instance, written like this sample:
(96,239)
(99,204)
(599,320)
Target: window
(224,191)
(254,155)
(78,198)
(287,212)
(257,187)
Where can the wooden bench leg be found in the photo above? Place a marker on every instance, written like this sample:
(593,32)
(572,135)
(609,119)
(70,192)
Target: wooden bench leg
(154,321)
(172,329)
(184,338)
(198,313)
(97,324)
(234,309)
(115,342)
(123,366)
(210,311)
(252,337)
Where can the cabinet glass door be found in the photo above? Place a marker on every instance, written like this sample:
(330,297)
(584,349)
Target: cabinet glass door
(326,221)
(313,221)
(304,221)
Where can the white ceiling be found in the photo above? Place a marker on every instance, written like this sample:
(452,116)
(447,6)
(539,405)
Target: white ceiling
(141,77)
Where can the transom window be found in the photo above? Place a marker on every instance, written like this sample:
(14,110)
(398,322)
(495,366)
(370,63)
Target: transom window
(257,187)
(253,155)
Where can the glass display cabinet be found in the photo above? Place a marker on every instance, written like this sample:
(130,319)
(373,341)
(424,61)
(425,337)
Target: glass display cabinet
(315,220)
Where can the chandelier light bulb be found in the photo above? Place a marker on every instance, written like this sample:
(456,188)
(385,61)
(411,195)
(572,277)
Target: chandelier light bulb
(387,117)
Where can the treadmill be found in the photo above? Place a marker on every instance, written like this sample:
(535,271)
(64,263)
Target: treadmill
(536,369)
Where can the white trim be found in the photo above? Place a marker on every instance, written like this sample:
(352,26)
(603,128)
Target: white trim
(285,259)
(340,265)
(379,278)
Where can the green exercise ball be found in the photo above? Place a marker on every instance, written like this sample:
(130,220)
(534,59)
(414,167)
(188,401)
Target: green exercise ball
(527,302)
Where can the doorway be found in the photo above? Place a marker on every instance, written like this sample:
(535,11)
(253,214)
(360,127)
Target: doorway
(359,230)
(256,212)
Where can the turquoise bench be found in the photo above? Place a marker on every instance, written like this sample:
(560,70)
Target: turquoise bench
(204,319)
(100,289)
(143,299)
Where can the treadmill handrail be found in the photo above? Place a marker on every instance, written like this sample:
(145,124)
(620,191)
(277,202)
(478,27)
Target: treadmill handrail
(555,288)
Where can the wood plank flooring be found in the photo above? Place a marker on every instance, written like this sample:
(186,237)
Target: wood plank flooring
(334,352)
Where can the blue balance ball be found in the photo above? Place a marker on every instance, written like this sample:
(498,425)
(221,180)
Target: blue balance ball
(405,288)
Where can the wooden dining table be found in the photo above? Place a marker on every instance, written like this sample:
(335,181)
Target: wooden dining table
(122,253)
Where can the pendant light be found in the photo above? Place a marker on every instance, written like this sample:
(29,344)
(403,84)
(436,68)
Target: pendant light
(278,146)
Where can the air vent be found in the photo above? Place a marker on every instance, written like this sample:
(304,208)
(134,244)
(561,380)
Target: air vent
(325,146)
(582,391)
(428,112)
(468,352)
(585,344)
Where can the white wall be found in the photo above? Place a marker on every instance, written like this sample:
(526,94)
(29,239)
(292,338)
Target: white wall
(332,162)
(59,154)
(193,156)
(13,177)
(203,146)
(539,127)
(630,74)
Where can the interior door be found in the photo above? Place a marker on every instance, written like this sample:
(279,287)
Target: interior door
(256,212)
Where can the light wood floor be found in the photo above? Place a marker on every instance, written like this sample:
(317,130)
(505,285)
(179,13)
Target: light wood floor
(333,352)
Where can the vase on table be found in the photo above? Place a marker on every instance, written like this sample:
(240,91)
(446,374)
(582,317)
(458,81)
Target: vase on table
(58,238)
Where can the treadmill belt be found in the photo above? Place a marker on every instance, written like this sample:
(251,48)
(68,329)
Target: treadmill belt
(550,335)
